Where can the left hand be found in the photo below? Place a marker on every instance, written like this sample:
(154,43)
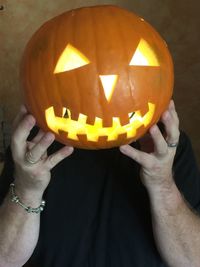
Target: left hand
(156,166)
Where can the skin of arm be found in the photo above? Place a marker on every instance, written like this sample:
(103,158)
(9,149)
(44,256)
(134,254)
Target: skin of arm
(176,226)
(19,230)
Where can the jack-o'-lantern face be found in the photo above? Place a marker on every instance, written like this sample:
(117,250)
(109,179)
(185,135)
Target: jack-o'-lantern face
(97,77)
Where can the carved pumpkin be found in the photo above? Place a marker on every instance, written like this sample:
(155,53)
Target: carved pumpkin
(98,77)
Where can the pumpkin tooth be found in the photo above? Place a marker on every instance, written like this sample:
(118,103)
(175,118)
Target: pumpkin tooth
(116,129)
(107,122)
(91,120)
(58,111)
(124,120)
(74,115)
(62,134)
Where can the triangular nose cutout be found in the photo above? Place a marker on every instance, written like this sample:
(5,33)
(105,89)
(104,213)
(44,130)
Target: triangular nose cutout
(108,83)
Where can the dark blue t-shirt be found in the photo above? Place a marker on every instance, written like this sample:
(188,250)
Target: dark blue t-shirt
(97,211)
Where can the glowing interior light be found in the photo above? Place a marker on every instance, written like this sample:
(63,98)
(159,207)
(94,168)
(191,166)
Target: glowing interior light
(64,111)
(144,56)
(71,58)
(73,128)
(109,83)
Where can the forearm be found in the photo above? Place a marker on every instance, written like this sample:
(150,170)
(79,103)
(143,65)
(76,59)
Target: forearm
(19,230)
(176,228)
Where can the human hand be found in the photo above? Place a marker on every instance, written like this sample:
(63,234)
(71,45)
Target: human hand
(35,176)
(156,166)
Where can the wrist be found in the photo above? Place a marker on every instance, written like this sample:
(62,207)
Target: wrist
(29,183)
(160,186)
(27,195)
(17,200)
(166,197)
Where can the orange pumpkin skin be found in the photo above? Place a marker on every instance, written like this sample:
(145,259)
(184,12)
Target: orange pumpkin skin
(109,37)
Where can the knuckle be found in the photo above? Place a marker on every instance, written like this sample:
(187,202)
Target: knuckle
(44,143)
(42,146)
(38,149)
(47,139)
(175,136)
(51,160)
(28,121)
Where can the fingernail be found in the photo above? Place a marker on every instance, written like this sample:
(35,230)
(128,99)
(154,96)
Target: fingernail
(172,105)
(49,136)
(69,149)
(31,119)
(153,129)
(123,148)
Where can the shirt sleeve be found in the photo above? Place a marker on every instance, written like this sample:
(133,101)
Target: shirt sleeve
(186,172)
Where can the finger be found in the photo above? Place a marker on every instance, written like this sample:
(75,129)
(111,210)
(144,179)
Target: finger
(58,156)
(19,137)
(173,112)
(39,149)
(171,128)
(38,137)
(29,145)
(22,112)
(140,157)
(160,145)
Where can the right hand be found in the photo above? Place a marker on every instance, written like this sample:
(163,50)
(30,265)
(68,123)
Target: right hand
(35,177)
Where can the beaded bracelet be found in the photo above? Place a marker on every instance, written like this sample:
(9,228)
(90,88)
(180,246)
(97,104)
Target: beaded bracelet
(15,199)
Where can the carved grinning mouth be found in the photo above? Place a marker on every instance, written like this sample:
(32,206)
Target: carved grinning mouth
(73,128)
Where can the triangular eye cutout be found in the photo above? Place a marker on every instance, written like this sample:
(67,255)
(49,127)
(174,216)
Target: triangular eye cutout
(144,56)
(71,58)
